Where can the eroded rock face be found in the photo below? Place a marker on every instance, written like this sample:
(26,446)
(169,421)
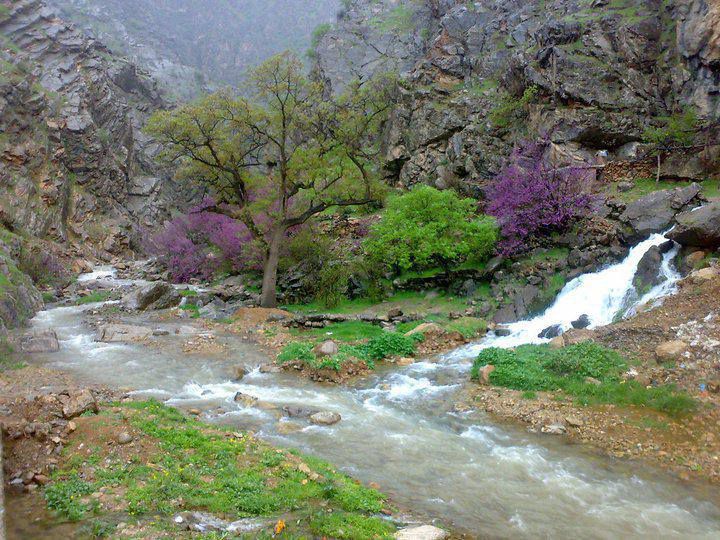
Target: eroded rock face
(459,60)
(656,212)
(75,163)
(700,228)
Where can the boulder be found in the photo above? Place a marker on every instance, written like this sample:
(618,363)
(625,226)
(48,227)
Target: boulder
(157,295)
(245,399)
(394,314)
(582,322)
(703,275)
(575,336)
(427,329)
(326,348)
(656,212)
(670,351)
(77,403)
(551,332)
(325,418)
(647,274)
(239,373)
(40,342)
(485,373)
(554,429)
(699,228)
(694,259)
(298,412)
(122,333)
(422,532)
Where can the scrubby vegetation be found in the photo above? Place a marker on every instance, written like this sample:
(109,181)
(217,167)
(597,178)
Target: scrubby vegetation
(588,372)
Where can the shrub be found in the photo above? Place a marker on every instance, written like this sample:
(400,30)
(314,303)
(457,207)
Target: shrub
(529,198)
(201,243)
(426,228)
(510,109)
(391,344)
(43,267)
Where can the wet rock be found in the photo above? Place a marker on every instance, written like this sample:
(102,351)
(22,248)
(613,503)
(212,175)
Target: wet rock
(422,532)
(325,418)
(655,212)
(706,274)
(394,314)
(154,296)
(502,331)
(207,523)
(122,333)
(700,228)
(245,399)
(298,412)
(670,351)
(551,332)
(647,274)
(485,373)
(40,342)
(285,427)
(554,429)
(239,373)
(270,368)
(124,438)
(427,329)
(327,348)
(403,362)
(77,403)
(582,322)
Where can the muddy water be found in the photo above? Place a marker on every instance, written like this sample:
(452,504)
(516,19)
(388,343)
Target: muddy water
(398,430)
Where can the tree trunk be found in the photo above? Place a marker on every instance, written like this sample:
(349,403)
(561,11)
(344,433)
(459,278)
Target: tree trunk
(659,165)
(268,296)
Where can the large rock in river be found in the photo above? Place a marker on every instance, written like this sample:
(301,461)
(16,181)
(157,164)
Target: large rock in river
(158,295)
(648,270)
(656,212)
(700,228)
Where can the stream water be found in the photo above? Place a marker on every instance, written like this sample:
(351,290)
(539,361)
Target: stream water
(398,428)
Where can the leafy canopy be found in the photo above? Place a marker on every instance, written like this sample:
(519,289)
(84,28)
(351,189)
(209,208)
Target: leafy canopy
(426,227)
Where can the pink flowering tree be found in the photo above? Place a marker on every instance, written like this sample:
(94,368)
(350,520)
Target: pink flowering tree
(530,198)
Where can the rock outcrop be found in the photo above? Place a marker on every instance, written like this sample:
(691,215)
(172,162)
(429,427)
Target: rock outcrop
(75,164)
(601,72)
(699,228)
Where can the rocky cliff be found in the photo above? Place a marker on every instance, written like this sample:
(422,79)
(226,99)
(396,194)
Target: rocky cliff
(593,74)
(189,45)
(75,165)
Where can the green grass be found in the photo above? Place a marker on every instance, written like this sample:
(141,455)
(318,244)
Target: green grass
(93,298)
(193,309)
(196,467)
(645,186)
(533,368)
(343,331)
(469,327)
(384,345)
(188,293)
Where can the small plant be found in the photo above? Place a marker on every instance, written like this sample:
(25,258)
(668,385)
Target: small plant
(43,267)
(510,109)
(297,351)
(391,344)
(93,298)
(66,498)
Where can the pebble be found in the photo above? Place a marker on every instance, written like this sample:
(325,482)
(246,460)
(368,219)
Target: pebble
(124,438)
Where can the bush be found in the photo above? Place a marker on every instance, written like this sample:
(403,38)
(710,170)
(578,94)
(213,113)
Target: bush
(510,109)
(533,368)
(426,228)
(391,344)
(202,243)
(529,198)
(43,267)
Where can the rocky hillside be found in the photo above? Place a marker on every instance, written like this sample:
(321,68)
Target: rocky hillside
(189,45)
(594,74)
(76,167)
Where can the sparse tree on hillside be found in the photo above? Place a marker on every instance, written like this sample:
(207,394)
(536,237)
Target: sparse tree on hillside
(283,156)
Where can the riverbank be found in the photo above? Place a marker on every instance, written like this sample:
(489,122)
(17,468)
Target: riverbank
(89,461)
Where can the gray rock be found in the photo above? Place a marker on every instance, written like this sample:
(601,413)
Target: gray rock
(122,333)
(582,322)
(327,348)
(700,228)
(124,438)
(647,274)
(656,212)
(154,296)
(77,403)
(325,418)
(422,532)
(551,332)
(40,342)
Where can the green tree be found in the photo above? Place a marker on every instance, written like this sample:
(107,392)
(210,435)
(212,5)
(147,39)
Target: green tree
(426,227)
(675,132)
(280,157)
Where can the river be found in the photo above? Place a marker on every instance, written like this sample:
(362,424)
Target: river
(399,429)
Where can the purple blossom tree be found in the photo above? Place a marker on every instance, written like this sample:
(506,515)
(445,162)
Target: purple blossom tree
(530,198)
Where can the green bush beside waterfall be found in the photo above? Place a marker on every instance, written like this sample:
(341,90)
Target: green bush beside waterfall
(588,372)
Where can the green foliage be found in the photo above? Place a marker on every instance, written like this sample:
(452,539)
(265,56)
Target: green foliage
(345,331)
(538,368)
(676,130)
(511,109)
(399,20)
(93,298)
(390,344)
(354,497)
(297,352)
(469,327)
(427,227)
(67,498)
(350,526)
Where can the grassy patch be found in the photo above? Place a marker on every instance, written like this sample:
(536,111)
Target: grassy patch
(193,309)
(343,331)
(533,368)
(6,357)
(380,347)
(645,186)
(188,293)
(93,298)
(189,466)
(469,327)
